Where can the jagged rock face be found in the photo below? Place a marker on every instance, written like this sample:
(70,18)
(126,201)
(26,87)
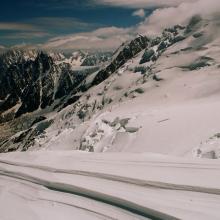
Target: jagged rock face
(16,56)
(148,55)
(9,87)
(21,82)
(153,49)
(33,83)
(121,56)
(81,58)
(135,68)
(40,82)
(34,80)
(45,81)
(157,46)
(96,59)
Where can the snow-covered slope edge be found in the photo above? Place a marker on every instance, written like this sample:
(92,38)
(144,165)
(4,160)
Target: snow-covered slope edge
(168,104)
(136,102)
(147,185)
(75,89)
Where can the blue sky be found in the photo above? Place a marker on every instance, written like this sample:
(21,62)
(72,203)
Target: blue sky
(37,21)
(67,25)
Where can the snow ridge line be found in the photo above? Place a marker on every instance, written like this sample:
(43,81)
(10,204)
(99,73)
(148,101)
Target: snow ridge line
(91,194)
(123,179)
(107,217)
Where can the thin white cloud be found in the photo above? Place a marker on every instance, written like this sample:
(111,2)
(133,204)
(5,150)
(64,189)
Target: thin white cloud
(139,13)
(176,12)
(17,26)
(26,46)
(101,39)
(167,17)
(26,35)
(43,27)
(62,23)
(112,37)
(142,3)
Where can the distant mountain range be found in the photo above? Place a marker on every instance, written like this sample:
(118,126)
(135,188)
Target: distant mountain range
(52,98)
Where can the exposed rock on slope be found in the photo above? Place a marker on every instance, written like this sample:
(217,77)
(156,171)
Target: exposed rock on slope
(29,83)
(123,54)
(144,69)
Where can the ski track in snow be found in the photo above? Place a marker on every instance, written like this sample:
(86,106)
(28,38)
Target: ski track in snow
(138,186)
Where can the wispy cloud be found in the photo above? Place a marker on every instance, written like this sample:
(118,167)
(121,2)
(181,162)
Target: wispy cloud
(13,26)
(139,13)
(76,34)
(142,3)
(101,39)
(61,23)
(163,18)
(57,4)
(43,28)
(26,46)
(112,37)
(26,35)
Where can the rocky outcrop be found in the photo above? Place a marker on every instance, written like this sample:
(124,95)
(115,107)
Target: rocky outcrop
(96,59)
(34,80)
(28,84)
(49,82)
(122,55)
(158,45)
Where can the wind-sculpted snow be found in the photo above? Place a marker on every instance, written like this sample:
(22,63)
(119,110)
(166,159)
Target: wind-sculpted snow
(145,186)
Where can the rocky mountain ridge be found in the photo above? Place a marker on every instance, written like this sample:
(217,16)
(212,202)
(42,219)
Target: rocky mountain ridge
(86,93)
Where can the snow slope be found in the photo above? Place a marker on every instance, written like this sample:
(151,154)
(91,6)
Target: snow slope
(155,130)
(173,109)
(108,186)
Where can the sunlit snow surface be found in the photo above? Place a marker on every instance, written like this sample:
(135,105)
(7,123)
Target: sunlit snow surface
(64,185)
(175,116)
(153,167)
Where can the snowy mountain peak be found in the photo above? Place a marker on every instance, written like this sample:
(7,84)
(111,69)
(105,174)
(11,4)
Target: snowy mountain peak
(84,104)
